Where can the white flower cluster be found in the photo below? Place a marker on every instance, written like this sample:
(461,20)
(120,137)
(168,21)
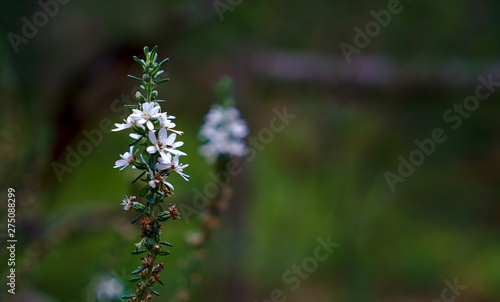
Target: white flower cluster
(225,132)
(151,129)
(108,288)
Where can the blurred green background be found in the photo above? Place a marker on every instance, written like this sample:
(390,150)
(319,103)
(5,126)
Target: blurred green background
(322,176)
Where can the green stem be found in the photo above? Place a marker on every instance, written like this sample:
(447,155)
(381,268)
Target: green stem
(141,292)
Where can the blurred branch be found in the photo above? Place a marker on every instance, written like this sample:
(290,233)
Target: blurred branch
(370,70)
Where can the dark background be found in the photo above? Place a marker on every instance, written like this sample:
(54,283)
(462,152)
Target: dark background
(323,175)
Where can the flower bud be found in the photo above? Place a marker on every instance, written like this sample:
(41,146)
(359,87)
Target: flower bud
(154,94)
(139,207)
(163,216)
(139,97)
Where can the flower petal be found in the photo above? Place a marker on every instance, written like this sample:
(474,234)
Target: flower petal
(150,125)
(152,138)
(163,136)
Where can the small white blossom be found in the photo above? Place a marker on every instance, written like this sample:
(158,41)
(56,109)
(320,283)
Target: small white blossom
(239,128)
(165,122)
(128,158)
(138,244)
(157,179)
(128,202)
(164,144)
(236,148)
(108,289)
(149,111)
(215,115)
(194,238)
(172,165)
(224,131)
(129,122)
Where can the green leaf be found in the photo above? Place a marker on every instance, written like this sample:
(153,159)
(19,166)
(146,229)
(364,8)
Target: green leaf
(140,61)
(128,296)
(137,218)
(153,51)
(165,243)
(154,292)
(140,269)
(140,131)
(152,61)
(164,253)
(159,281)
(159,198)
(150,198)
(135,279)
(137,178)
(162,81)
(135,142)
(131,106)
(224,88)
(159,66)
(149,243)
(160,101)
(135,78)
(144,190)
(138,252)
(152,162)
(162,62)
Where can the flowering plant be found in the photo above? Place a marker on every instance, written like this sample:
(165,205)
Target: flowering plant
(154,152)
(224,131)
(223,134)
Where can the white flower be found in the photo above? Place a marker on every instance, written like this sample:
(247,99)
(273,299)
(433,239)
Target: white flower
(164,144)
(224,131)
(215,115)
(166,162)
(108,288)
(138,244)
(158,180)
(232,113)
(210,151)
(149,111)
(128,202)
(165,122)
(194,238)
(239,128)
(128,158)
(236,148)
(129,122)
